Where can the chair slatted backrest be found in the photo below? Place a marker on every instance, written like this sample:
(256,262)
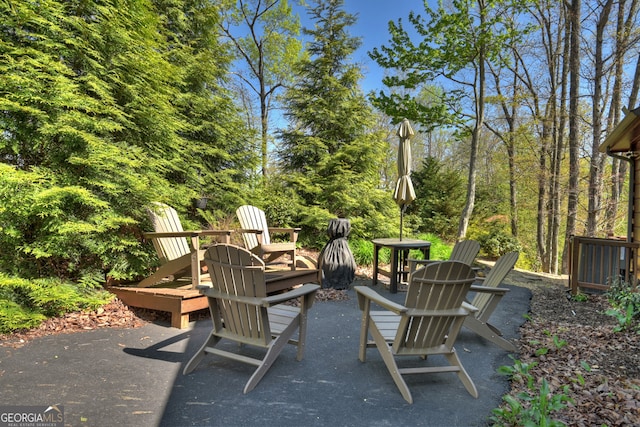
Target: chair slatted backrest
(253,218)
(465,251)
(434,298)
(494,278)
(165,219)
(237,272)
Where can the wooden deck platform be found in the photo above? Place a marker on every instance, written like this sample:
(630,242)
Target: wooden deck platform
(180,300)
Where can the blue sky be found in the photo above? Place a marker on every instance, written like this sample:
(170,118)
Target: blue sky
(372,27)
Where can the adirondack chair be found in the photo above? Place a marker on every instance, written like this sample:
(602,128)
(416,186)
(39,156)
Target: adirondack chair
(486,299)
(257,238)
(242,312)
(427,324)
(178,250)
(464,251)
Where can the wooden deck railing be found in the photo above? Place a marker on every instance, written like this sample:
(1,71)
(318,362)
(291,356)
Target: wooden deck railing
(596,263)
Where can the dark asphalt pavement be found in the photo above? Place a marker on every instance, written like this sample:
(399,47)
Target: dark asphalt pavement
(133,377)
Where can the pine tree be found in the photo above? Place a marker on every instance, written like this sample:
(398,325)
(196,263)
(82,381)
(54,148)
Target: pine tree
(328,153)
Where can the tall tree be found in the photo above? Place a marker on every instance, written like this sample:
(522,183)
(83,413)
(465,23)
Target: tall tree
(264,33)
(213,125)
(598,107)
(574,21)
(542,70)
(455,45)
(330,157)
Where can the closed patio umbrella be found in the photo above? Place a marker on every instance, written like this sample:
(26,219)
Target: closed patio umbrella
(404,193)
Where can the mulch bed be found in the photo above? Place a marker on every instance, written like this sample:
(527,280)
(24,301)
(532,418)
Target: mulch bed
(600,366)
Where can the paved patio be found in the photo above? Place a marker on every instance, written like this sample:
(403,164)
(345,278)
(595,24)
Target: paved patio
(132,377)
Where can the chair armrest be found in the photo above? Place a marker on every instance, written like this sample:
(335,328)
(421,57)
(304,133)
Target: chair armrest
(464,310)
(489,290)
(250,230)
(468,306)
(303,290)
(188,233)
(365,293)
(255,231)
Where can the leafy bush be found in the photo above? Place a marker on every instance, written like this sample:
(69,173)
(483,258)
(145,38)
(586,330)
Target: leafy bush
(26,303)
(49,229)
(625,303)
(440,197)
(497,242)
(439,250)
(531,408)
(362,251)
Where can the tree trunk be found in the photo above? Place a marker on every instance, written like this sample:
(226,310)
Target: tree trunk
(479,109)
(574,139)
(597,106)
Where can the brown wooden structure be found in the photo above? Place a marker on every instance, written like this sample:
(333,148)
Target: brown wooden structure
(180,298)
(173,286)
(596,263)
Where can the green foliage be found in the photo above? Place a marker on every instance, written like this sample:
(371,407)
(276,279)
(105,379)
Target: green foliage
(442,42)
(328,157)
(363,250)
(494,238)
(107,106)
(265,38)
(26,303)
(580,297)
(440,197)
(531,408)
(625,305)
(439,249)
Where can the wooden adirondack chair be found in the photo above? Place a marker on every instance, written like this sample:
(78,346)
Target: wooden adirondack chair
(464,251)
(242,312)
(178,250)
(257,238)
(428,323)
(487,298)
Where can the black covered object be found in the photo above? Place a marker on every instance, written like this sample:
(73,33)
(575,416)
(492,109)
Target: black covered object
(336,261)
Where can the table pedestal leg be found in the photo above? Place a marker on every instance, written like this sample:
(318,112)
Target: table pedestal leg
(393,286)
(376,249)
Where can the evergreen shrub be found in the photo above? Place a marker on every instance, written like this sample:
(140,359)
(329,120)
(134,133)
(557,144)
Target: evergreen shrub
(26,303)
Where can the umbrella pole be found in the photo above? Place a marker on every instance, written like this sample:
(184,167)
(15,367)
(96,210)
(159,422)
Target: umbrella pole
(401,217)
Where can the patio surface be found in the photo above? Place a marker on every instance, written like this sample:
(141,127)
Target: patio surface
(133,377)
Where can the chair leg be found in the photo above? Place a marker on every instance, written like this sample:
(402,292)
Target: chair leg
(195,360)
(302,332)
(390,362)
(489,332)
(364,330)
(454,360)
(272,353)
